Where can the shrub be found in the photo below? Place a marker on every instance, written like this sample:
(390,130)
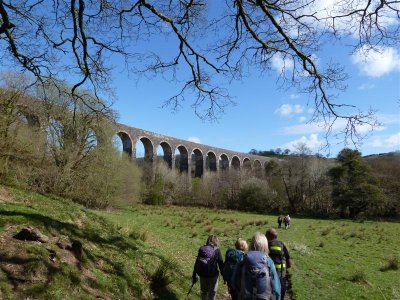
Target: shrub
(358,276)
(326,231)
(155,191)
(391,264)
(161,277)
(254,195)
(63,153)
(142,235)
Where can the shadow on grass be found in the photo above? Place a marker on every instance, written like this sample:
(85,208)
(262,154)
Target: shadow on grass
(91,234)
(160,281)
(124,246)
(17,277)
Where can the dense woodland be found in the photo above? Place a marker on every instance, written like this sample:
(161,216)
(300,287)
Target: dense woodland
(78,160)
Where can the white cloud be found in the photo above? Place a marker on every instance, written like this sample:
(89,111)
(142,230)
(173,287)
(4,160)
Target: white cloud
(289,109)
(317,127)
(366,86)
(281,64)
(348,25)
(304,128)
(294,96)
(194,139)
(302,119)
(388,142)
(389,118)
(377,62)
(298,109)
(365,128)
(284,110)
(312,142)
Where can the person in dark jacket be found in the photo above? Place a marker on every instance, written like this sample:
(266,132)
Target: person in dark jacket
(280,219)
(280,255)
(208,261)
(231,279)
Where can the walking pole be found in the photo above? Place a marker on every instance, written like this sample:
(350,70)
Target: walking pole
(190,290)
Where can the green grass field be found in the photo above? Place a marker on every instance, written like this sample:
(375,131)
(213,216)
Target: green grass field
(334,259)
(147,252)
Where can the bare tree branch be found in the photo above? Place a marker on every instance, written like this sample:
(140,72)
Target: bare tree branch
(74,40)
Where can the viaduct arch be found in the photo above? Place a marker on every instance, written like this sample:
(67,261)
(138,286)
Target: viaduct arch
(186,156)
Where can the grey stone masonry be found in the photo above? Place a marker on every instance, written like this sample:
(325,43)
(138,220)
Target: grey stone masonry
(190,154)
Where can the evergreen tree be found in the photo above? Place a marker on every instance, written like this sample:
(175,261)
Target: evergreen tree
(355,189)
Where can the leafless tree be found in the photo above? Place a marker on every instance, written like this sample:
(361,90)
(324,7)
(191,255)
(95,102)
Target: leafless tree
(211,41)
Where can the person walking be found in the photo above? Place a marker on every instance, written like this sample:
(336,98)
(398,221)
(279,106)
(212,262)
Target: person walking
(259,279)
(233,258)
(280,221)
(208,261)
(280,255)
(286,220)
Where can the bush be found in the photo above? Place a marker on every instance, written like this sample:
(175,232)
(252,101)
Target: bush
(254,195)
(154,193)
(358,276)
(106,180)
(391,264)
(60,154)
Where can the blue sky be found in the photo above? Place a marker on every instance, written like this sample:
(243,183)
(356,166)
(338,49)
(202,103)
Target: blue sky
(267,117)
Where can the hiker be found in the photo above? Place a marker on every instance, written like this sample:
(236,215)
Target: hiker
(208,261)
(259,280)
(280,221)
(233,258)
(280,255)
(286,220)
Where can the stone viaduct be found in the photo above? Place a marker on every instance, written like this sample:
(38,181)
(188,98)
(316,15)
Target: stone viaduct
(187,156)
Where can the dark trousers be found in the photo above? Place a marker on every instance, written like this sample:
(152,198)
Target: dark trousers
(233,292)
(283,287)
(208,287)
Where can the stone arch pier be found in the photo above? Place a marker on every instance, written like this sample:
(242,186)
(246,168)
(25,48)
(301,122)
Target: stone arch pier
(186,156)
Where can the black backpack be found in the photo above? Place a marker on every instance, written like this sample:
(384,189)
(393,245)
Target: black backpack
(206,262)
(278,256)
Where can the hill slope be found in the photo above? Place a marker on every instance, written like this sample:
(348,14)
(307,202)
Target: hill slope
(111,265)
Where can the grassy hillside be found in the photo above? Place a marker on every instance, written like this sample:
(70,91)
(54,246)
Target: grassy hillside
(148,252)
(114,264)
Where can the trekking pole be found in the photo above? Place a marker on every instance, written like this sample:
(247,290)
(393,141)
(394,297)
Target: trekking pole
(190,290)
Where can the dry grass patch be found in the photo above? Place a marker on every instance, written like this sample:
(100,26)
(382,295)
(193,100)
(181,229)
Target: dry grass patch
(6,196)
(391,264)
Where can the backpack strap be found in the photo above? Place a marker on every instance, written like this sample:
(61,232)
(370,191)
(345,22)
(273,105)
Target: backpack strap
(272,279)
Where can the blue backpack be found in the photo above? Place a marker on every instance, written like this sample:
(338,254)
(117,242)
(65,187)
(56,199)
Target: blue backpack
(257,277)
(206,262)
(233,257)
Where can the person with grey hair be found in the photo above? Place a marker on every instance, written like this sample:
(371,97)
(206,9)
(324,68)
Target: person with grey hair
(208,261)
(259,280)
